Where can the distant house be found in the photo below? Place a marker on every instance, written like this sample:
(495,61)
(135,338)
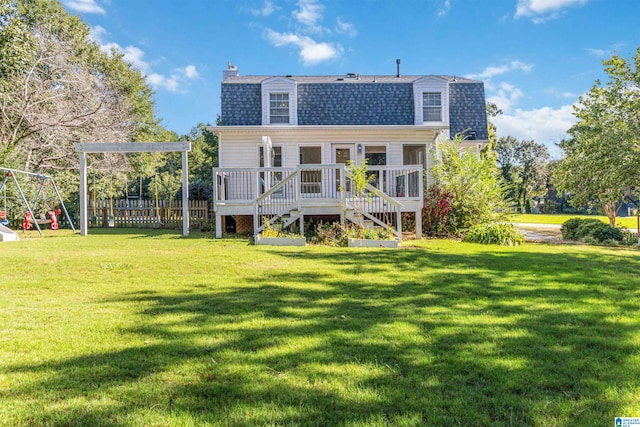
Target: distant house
(284,142)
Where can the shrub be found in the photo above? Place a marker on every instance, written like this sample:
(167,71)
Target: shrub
(437,220)
(474,182)
(334,234)
(275,230)
(570,227)
(375,233)
(591,231)
(495,233)
(330,234)
(628,238)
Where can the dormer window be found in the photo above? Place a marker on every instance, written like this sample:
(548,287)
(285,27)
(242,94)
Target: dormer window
(431,98)
(432,106)
(279,101)
(278,108)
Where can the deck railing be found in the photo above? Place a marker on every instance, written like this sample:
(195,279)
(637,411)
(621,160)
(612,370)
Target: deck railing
(246,185)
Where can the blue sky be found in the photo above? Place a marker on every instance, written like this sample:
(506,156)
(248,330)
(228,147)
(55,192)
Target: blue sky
(535,56)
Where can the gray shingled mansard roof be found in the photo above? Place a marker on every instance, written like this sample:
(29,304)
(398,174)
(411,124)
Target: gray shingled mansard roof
(355,100)
(344,79)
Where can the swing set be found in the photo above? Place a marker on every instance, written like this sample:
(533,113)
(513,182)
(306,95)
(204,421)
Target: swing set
(30,220)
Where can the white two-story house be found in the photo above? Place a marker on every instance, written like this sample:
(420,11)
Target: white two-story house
(284,142)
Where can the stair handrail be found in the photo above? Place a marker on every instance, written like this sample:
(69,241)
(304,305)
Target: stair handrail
(384,196)
(278,186)
(257,203)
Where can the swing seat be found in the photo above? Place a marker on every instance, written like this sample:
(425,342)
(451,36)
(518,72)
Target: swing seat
(41,221)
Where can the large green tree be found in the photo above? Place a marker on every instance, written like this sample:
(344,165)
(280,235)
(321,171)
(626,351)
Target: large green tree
(601,157)
(58,88)
(523,166)
(532,159)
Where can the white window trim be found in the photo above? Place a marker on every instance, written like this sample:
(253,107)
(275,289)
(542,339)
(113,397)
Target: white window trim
(261,147)
(275,85)
(322,152)
(271,108)
(373,144)
(432,84)
(438,106)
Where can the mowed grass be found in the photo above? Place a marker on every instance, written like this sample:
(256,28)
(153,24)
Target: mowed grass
(153,329)
(626,222)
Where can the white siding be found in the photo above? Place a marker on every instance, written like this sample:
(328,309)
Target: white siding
(238,147)
(238,152)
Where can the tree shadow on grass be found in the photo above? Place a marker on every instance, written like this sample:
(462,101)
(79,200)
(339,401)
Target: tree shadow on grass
(380,337)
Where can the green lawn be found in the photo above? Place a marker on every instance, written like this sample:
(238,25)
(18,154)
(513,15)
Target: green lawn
(627,222)
(158,330)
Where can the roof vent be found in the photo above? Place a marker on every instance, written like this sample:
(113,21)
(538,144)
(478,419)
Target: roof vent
(288,75)
(340,79)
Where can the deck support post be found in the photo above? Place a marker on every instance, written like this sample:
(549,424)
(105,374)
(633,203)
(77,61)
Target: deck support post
(218,226)
(418,225)
(301,219)
(255,222)
(399,220)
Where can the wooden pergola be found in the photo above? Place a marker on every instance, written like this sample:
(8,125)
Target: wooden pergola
(133,147)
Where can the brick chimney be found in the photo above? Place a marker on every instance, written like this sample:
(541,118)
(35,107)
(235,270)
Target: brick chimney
(231,71)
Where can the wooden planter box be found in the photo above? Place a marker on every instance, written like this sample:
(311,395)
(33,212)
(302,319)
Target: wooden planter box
(281,241)
(372,243)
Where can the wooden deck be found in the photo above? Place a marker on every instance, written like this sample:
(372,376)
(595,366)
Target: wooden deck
(272,193)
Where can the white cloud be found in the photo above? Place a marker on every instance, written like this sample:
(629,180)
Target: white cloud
(563,94)
(136,57)
(84,6)
(267,9)
(96,33)
(311,52)
(446,6)
(169,83)
(543,125)
(540,11)
(501,69)
(506,96)
(343,27)
(190,72)
(600,53)
(308,14)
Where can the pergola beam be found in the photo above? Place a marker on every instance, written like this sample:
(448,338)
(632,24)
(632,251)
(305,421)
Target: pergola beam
(133,147)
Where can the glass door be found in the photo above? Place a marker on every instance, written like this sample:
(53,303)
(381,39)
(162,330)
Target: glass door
(342,153)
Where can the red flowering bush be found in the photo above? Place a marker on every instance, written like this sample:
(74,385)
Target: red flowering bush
(437,217)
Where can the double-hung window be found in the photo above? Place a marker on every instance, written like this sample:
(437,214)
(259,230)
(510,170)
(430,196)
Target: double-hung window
(431,107)
(278,108)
